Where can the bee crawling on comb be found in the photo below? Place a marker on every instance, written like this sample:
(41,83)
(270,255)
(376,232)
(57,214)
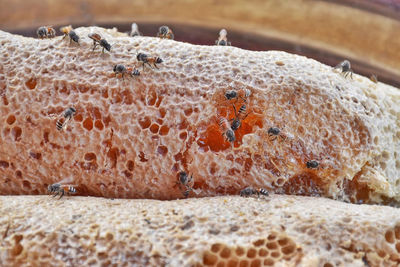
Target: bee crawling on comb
(121,69)
(66,117)
(145,59)
(185,180)
(98,40)
(61,189)
(165,32)
(249,191)
(46,32)
(345,68)
(69,31)
(222,39)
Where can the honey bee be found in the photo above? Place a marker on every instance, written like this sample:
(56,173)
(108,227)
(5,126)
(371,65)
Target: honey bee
(69,31)
(248,191)
(46,32)
(373,78)
(61,189)
(345,68)
(222,40)
(97,40)
(312,164)
(67,116)
(185,180)
(274,132)
(165,32)
(145,59)
(226,129)
(135,30)
(120,69)
(239,116)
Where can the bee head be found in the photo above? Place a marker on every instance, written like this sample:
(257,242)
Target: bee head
(163,30)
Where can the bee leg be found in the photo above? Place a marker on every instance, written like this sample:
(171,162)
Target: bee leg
(351,74)
(56,193)
(155,65)
(149,65)
(94,46)
(143,66)
(62,193)
(63,37)
(102,51)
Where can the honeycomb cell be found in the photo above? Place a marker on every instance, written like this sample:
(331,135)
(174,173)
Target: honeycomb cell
(240,251)
(11,119)
(251,253)
(31,83)
(144,122)
(4,164)
(99,125)
(259,243)
(263,252)
(225,253)
(88,124)
(16,132)
(232,263)
(154,128)
(164,130)
(209,259)
(216,247)
(35,155)
(162,150)
(183,135)
(272,245)
(397,232)
(389,236)
(269,262)
(78,117)
(288,249)
(275,254)
(283,242)
(142,157)
(255,263)
(90,156)
(26,184)
(130,165)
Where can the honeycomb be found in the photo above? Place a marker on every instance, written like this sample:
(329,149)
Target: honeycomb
(280,230)
(131,137)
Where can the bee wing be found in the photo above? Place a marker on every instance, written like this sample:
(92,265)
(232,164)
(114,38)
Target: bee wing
(68,185)
(66,180)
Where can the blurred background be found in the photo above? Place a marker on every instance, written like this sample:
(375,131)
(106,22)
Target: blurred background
(367,32)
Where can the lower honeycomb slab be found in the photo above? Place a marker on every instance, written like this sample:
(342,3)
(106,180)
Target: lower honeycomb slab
(225,231)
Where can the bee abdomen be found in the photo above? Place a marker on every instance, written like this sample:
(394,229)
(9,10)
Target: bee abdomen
(264,192)
(59,125)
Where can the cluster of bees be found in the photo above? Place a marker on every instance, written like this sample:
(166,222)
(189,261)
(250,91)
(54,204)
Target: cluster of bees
(228,127)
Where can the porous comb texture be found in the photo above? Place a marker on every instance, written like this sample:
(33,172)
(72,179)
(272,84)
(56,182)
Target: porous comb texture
(130,137)
(222,231)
